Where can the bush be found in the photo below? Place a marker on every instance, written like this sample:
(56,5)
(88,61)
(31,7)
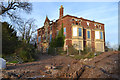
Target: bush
(72,51)
(60,50)
(55,51)
(51,50)
(79,57)
(86,53)
(86,50)
(89,55)
(26,52)
(9,39)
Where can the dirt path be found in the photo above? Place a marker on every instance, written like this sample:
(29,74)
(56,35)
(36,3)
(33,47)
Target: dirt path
(37,68)
(102,66)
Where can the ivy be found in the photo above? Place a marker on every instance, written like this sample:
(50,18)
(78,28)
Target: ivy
(59,40)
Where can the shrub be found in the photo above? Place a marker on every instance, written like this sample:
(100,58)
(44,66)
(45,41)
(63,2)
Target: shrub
(9,39)
(26,52)
(72,51)
(56,50)
(86,50)
(79,57)
(90,55)
(51,50)
(60,50)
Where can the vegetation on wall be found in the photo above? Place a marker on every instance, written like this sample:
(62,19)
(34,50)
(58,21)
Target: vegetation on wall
(57,42)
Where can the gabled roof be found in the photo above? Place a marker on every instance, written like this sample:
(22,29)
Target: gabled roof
(72,17)
(47,19)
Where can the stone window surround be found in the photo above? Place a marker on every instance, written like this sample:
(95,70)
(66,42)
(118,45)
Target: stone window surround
(77,31)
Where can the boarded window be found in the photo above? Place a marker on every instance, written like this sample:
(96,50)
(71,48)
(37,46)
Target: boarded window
(77,45)
(88,34)
(88,43)
(99,47)
(97,35)
(65,31)
(75,31)
(101,35)
(80,32)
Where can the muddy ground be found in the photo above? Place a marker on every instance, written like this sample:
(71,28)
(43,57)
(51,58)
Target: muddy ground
(106,65)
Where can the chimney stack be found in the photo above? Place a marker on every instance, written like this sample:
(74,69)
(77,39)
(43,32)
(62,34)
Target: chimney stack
(61,12)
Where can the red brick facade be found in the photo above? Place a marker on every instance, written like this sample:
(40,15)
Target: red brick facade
(69,22)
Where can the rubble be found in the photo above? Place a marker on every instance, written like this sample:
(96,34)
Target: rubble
(102,66)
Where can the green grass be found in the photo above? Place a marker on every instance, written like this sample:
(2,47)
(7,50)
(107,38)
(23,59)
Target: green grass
(79,57)
(13,62)
(83,56)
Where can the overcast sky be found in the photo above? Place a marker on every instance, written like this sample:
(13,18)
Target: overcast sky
(103,12)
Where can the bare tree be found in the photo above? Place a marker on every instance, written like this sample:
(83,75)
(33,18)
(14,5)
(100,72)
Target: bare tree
(115,47)
(9,8)
(27,29)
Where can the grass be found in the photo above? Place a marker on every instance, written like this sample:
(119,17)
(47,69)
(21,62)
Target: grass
(83,56)
(12,62)
(78,56)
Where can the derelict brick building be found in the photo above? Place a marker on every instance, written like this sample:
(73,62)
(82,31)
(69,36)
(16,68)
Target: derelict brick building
(78,32)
